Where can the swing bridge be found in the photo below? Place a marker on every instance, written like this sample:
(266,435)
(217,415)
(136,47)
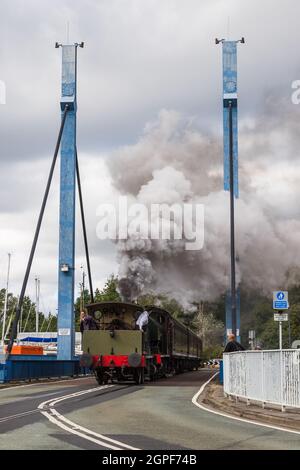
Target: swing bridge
(64,363)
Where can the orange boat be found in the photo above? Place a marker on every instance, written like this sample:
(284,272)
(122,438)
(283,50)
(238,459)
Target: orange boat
(27,350)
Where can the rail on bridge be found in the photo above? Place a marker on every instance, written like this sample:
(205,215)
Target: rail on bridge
(269,377)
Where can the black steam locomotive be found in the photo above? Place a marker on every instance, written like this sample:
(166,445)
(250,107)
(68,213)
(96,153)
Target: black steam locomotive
(120,349)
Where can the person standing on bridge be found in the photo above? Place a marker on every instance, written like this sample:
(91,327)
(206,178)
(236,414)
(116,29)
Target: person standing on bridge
(233,345)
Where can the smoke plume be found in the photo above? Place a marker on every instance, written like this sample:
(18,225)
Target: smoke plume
(173,162)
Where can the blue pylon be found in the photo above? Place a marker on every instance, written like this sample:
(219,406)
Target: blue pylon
(66,269)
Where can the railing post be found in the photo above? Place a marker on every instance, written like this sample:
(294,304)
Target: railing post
(281,382)
(262,379)
(221,374)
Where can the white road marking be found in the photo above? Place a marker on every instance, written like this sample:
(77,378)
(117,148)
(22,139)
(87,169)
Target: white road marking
(45,383)
(59,420)
(244,420)
(52,402)
(24,413)
(73,431)
(89,432)
(42,395)
(18,415)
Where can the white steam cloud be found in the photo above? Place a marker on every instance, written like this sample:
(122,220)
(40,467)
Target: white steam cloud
(175,163)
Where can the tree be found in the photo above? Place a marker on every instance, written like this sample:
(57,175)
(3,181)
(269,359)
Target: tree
(209,328)
(84,298)
(257,314)
(28,315)
(108,293)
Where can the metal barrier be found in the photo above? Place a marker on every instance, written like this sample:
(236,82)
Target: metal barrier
(21,367)
(265,376)
(221,374)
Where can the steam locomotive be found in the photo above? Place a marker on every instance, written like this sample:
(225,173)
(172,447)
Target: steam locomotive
(120,350)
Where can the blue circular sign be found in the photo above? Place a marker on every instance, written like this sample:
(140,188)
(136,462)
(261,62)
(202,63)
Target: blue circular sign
(280,295)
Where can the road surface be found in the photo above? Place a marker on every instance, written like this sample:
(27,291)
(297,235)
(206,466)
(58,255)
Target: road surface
(79,414)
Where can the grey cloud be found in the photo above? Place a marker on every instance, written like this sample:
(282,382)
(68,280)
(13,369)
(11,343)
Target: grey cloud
(140,58)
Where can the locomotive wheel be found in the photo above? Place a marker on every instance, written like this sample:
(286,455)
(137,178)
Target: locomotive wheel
(152,372)
(138,376)
(101,378)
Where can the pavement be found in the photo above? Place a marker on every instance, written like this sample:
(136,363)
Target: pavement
(213,397)
(79,414)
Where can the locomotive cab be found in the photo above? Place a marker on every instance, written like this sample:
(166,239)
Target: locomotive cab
(115,350)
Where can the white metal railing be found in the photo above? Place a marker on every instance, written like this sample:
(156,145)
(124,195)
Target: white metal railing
(265,376)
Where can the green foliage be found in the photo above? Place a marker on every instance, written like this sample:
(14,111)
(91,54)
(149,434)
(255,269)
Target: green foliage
(28,315)
(205,318)
(108,293)
(257,314)
(212,352)
(171,305)
(80,302)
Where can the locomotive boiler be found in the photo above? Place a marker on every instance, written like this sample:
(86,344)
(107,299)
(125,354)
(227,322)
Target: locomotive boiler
(120,350)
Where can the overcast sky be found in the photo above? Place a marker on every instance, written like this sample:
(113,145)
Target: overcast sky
(140,56)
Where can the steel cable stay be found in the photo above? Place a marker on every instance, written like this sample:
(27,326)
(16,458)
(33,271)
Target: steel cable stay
(36,235)
(37,231)
(84,229)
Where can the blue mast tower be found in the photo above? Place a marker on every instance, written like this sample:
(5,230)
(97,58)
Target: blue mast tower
(230,146)
(66,320)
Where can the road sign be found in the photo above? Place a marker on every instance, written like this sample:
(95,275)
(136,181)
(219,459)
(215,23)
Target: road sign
(251,334)
(281,316)
(280,300)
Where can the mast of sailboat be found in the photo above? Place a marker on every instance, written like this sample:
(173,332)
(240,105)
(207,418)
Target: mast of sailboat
(13,311)
(5,300)
(37,303)
(82,287)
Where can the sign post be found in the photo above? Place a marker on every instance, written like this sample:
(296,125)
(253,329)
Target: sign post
(251,337)
(280,303)
(280,335)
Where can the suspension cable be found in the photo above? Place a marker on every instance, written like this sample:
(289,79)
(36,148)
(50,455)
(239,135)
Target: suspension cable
(36,235)
(84,231)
